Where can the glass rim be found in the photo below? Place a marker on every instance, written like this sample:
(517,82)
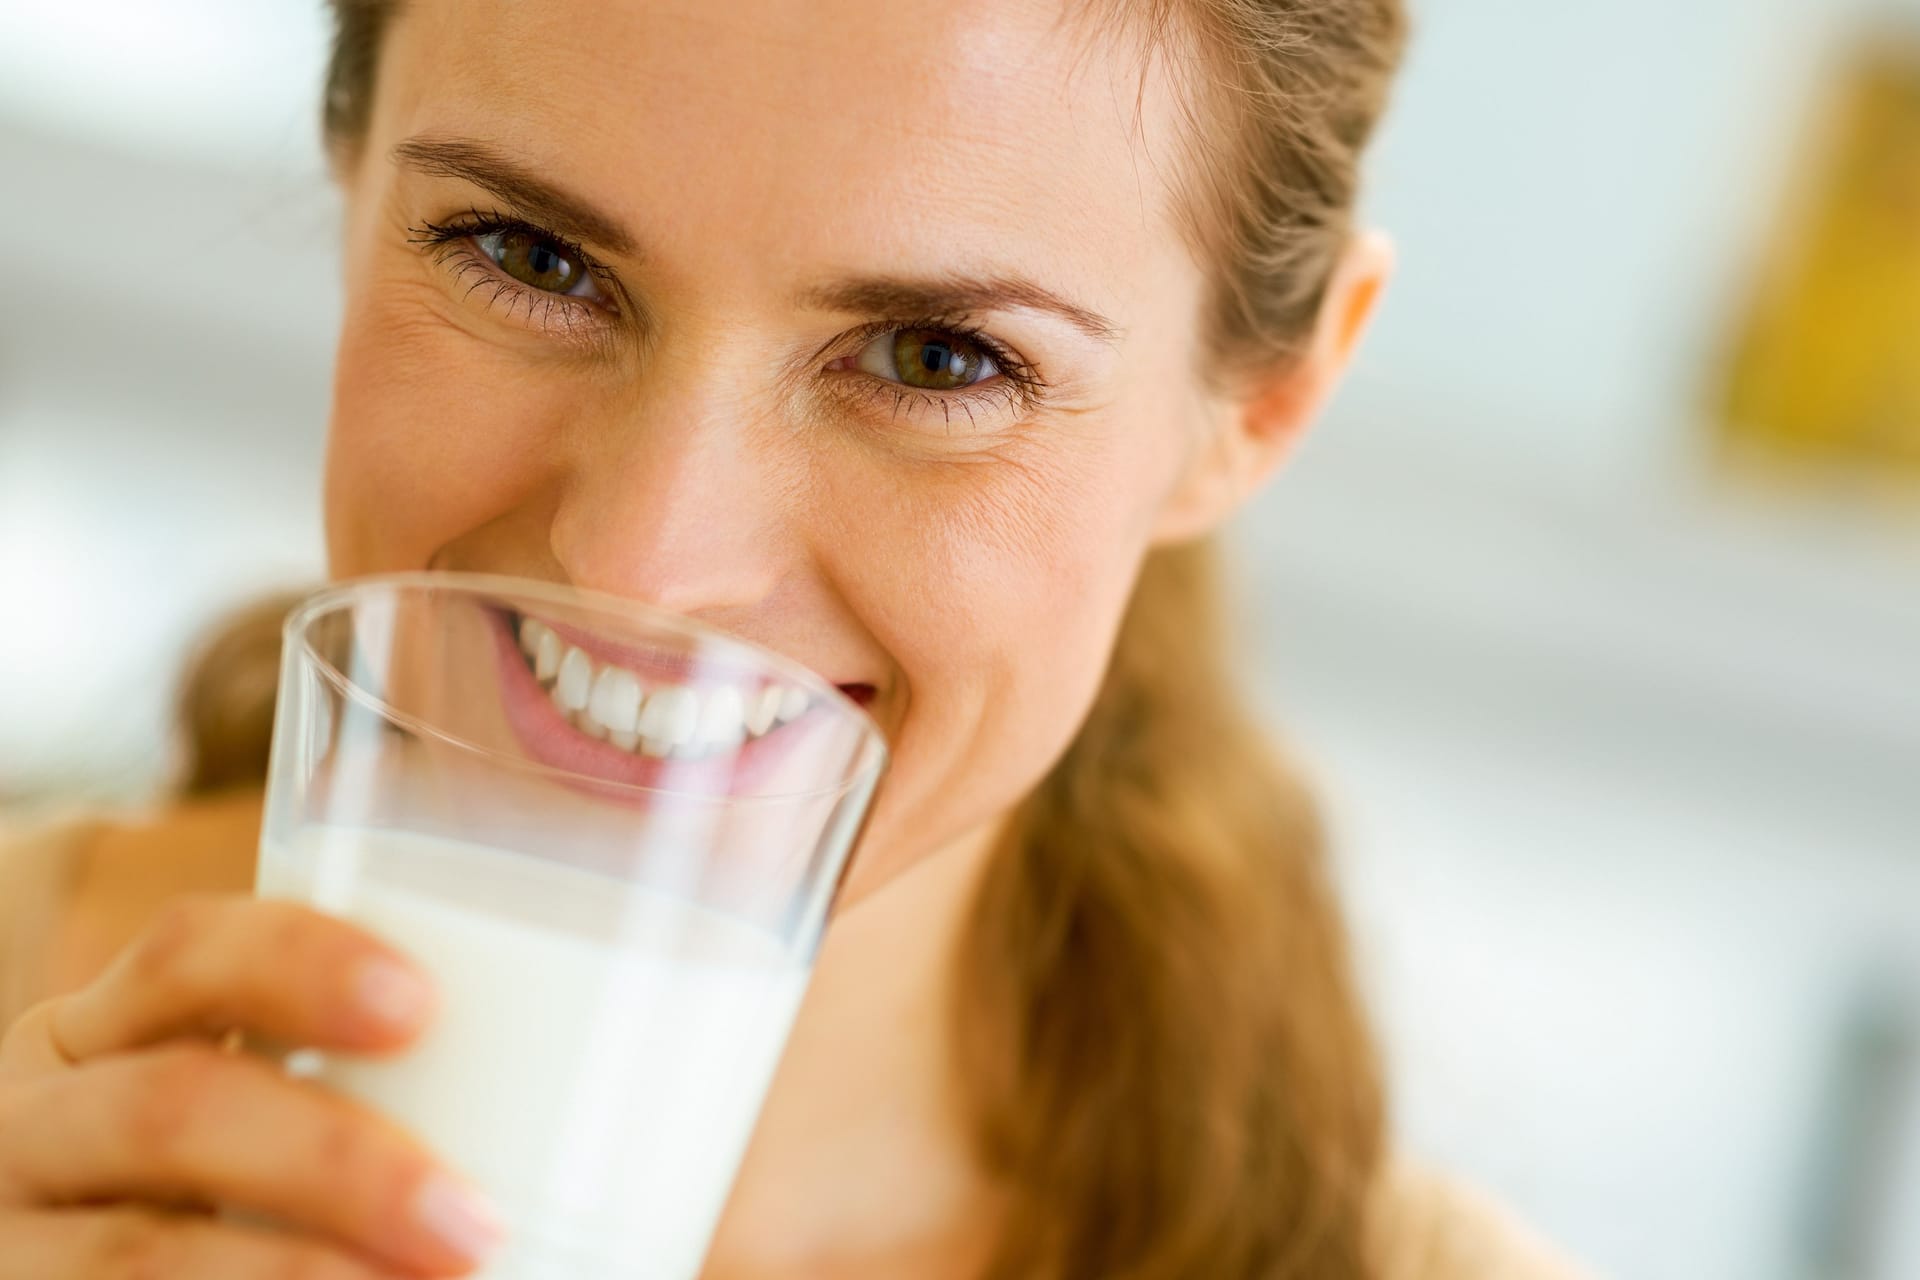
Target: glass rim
(870,761)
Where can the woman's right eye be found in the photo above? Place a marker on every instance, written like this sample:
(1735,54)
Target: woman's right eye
(539,263)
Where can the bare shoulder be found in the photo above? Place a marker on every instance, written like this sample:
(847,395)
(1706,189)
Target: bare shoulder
(91,885)
(1432,1228)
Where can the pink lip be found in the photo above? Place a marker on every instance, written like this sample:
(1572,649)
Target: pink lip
(551,740)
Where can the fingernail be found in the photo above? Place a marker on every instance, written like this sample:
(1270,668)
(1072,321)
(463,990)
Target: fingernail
(458,1216)
(391,992)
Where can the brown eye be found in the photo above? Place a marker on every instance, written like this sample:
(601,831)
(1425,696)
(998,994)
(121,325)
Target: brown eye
(926,358)
(538,263)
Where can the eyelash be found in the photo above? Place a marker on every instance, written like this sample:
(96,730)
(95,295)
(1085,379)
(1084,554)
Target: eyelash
(1018,384)
(450,244)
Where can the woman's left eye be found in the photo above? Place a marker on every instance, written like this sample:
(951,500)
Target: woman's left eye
(538,263)
(928,359)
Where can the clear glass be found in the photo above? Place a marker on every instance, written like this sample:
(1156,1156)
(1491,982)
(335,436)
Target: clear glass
(613,837)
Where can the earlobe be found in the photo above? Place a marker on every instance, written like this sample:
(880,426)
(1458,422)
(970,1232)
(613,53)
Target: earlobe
(1250,438)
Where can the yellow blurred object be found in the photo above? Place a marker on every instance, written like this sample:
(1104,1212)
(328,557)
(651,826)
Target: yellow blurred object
(1827,364)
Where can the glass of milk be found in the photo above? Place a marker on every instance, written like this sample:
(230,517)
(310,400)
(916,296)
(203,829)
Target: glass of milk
(613,836)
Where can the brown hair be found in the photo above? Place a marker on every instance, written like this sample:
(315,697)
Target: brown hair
(225,700)
(1166,1060)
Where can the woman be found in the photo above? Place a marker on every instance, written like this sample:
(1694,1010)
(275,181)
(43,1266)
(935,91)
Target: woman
(930,352)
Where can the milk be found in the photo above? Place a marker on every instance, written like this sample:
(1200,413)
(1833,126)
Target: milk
(600,1051)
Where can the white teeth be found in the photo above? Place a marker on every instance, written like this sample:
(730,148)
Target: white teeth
(542,647)
(722,719)
(611,704)
(575,683)
(766,706)
(670,716)
(615,701)
(546,656)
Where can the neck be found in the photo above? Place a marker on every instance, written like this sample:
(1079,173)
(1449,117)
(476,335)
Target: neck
(861,1163)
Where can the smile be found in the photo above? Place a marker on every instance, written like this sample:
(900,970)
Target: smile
(647,714)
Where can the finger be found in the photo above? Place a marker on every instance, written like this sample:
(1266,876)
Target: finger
(125,1244)
(27,1049)
(189,1120)
(210,963)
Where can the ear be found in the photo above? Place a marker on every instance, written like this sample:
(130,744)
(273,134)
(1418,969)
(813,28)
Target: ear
(1250,434)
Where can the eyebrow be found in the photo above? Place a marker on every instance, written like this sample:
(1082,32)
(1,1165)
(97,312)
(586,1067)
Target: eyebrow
(576,218)
(950,295)
(557,209)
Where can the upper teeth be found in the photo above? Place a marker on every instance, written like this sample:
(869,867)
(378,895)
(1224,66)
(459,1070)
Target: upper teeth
(610,702)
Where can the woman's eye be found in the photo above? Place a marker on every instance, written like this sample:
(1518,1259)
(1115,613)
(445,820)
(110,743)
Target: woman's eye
(926,358)
(538,263)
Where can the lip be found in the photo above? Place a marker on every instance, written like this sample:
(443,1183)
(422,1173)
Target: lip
(549,739)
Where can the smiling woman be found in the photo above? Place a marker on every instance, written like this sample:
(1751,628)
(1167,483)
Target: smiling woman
(927,353)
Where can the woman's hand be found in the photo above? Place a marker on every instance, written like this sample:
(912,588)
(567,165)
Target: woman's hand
(123,1122)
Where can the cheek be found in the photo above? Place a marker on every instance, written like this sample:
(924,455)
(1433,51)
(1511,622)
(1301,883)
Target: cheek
(1023,564)
(432,434)
(996,587)
(999,556)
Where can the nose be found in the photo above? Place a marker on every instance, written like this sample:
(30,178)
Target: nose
(677,505)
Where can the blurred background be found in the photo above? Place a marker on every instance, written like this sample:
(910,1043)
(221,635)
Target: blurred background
(1594,606)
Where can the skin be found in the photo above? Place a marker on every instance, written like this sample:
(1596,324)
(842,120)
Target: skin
(706,437)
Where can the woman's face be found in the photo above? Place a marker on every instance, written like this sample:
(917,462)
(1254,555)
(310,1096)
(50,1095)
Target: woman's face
(860,330)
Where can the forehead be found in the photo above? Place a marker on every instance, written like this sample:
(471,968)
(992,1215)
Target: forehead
(829,132)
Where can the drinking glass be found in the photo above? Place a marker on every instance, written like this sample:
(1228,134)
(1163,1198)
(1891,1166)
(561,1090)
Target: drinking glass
(612,836)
